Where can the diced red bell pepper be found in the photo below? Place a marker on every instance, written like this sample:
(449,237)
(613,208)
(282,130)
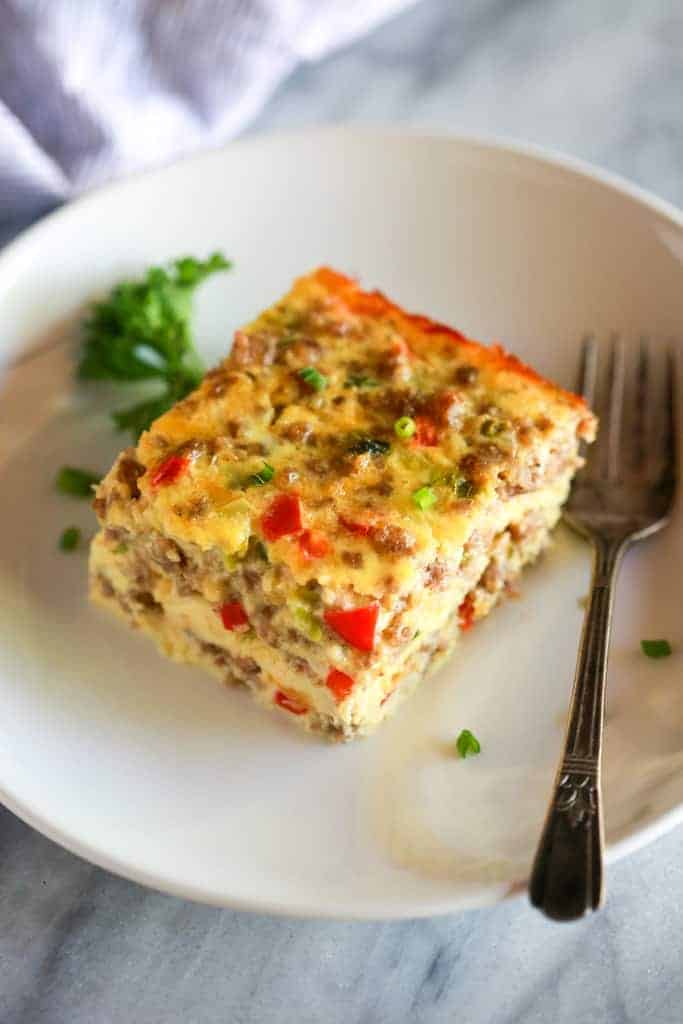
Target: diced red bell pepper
(360,529)
(282,517)
(314,544)
(466,613)
(289,703)
(233,615)
(168,471)
(355,625)
(339,683)
(426,434)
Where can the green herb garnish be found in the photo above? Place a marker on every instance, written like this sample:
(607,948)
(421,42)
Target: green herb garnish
(491,428)
(76,482)
(359,380)
(260,550)
(467,744)
(121,549)
(465,488)
(142,332)
(369,445)
(264,476)
(70,539)
(424,498)
(313,378)
(656,648)
(458,483)
(405,427)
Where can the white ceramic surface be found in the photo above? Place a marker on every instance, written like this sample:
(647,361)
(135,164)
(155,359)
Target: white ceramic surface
(160,774)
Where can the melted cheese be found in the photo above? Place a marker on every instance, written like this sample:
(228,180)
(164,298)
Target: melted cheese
(378,364)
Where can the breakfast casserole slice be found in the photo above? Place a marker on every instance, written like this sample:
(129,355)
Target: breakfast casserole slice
(348,490)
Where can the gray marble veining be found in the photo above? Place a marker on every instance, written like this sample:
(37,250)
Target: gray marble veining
(602,79)
(81,946)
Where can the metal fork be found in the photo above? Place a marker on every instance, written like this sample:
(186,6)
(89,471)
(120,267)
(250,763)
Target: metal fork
(624,493)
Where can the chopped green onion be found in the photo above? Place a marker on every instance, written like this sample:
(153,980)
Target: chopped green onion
(424,498)
(69,539)
(260,550)
(76,482)
(359,380)
(121,548)
(369,445)
(464,488)
(656,648)
(264,476)
(467,743)
(313,378)
(405,427)
(491,428)
(456,482)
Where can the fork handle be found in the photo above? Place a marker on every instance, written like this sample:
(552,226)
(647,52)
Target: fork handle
(567,875)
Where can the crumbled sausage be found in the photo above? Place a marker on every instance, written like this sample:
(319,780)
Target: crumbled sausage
(251,579)
(302,353)
(473,465)
(354,559)
(383,487)
(253,349)
(300,665)
(114,534)
(247,666)
(215,384)
(299,432)
(128,471)
(436,575)
(145,600)
(197,507)
(492,577)
(392,540)
(167,555)
(394,401)
(196,447)
(395,363)
(320,467)
(526,527)
(466,375)
(105,586)
(396,634)
(446,408)
(141,572)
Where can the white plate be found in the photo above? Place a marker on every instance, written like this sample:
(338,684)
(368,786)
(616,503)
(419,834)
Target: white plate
(157,772)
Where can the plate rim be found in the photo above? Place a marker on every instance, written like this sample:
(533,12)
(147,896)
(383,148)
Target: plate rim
(11,264)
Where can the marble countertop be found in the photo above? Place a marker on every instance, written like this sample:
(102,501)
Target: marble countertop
(602,81)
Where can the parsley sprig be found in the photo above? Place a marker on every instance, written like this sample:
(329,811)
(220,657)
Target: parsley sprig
(70,539)
(656,648)
(467,744)
(78,483)
(142,332)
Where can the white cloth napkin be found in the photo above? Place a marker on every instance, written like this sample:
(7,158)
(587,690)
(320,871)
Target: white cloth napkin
(90,89)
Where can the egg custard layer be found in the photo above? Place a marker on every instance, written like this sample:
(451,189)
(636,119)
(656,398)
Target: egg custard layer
(351,488)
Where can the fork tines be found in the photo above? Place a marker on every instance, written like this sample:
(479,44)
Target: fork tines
(634,397)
